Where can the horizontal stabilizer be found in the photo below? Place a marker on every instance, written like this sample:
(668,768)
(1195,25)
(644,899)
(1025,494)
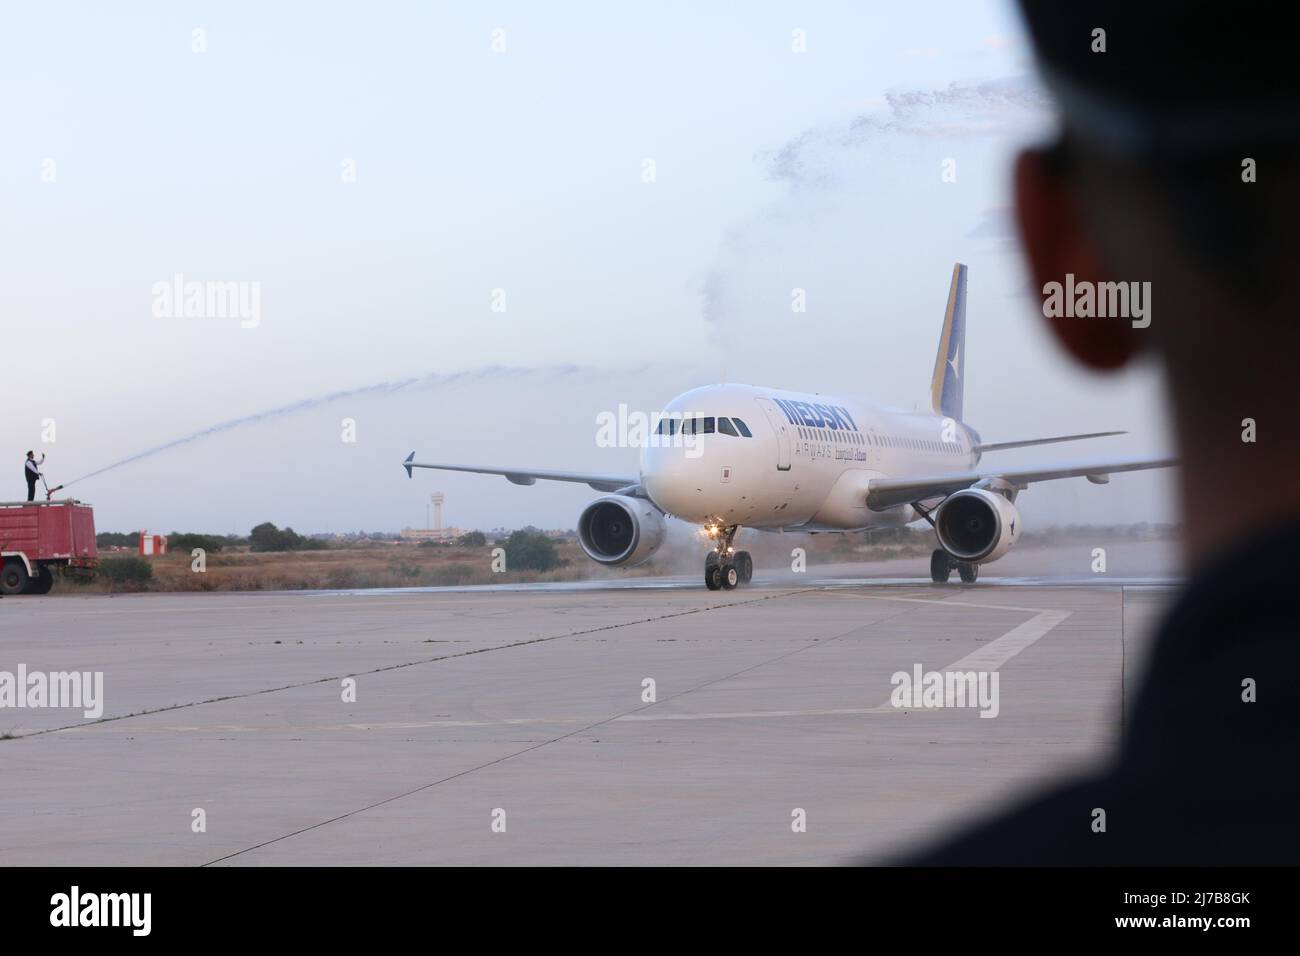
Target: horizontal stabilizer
(1003,445)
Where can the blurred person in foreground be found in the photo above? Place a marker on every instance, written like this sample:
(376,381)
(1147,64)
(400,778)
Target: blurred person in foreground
(1177,163)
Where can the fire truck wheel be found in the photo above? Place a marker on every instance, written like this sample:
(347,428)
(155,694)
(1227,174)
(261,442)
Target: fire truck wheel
(13,577)
(42,583)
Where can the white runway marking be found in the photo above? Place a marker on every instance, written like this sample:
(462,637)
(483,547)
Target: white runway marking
(990,657)
(993,655)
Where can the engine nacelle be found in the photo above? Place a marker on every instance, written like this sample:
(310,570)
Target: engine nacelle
(976,525)
(618,530)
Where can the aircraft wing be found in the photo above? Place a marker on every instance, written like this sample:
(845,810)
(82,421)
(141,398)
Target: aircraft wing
(530,476)
(1003,445)
(888,492)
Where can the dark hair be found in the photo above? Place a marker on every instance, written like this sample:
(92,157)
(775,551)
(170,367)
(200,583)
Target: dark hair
(1245,234)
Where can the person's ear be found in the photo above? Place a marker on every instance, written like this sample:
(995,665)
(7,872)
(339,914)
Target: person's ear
(1056,243)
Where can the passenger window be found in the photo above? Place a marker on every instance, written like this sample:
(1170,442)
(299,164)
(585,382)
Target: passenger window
(744,429)
(725,426)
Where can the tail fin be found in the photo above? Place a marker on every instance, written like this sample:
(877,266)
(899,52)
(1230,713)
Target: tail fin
(946,386)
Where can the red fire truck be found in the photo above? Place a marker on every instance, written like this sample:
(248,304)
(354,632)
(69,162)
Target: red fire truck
(37,536)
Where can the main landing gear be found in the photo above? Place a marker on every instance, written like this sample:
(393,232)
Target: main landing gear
(724,567)
(942,565)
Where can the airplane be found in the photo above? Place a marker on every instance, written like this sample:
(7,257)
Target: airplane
(730,456)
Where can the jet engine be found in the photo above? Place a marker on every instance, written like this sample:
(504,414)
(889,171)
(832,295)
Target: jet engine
(976,525)
(619,530)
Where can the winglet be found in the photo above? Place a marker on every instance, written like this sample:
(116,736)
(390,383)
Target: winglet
(407,464)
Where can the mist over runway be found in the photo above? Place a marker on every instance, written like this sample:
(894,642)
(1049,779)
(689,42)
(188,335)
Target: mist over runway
(769,700)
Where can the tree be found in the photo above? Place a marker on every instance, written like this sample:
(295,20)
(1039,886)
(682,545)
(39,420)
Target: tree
(531,551)
(267,537)
(189,541)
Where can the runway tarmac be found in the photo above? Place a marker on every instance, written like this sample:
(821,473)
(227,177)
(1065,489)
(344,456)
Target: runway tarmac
(526,708)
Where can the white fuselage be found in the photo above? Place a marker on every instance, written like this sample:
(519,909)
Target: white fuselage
(806,465)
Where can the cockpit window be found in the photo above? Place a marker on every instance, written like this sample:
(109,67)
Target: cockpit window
(744,429)
(725,426)
(708,425)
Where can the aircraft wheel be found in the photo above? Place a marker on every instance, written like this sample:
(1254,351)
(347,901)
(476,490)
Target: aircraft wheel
(713,576)
(745,565)
(13,577)
(969,572)
(940,567)
(730,576)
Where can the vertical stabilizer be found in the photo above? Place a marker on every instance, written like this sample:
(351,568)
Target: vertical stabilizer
(946,385)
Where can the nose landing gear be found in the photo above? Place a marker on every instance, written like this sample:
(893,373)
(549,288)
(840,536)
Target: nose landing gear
(724,567)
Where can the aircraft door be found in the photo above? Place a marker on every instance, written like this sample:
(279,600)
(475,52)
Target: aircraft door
(782,429)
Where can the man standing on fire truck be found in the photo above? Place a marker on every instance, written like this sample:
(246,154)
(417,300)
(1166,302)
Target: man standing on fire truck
(32,472)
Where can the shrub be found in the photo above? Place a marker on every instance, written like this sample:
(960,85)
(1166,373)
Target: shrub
(457,573)
(126,570)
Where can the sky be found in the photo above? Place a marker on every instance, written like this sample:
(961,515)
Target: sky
(642,187)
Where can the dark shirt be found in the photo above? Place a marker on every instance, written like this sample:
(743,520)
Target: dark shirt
(1202,777)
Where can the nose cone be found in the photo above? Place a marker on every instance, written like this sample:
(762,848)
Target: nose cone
(671,476)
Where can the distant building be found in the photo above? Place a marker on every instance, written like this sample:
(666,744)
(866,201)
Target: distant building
(431,534)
